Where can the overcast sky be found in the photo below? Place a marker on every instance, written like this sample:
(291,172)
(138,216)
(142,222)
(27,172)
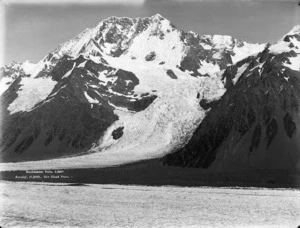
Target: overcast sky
(31,29)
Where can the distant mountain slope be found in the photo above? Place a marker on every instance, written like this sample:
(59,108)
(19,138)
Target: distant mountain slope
(255,125)
(135,89)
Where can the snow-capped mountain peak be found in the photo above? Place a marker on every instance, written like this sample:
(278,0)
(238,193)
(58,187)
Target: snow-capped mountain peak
(125,90)
(289,42)
(294,31)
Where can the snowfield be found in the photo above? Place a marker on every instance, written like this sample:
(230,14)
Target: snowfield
(33,91)
(63,205)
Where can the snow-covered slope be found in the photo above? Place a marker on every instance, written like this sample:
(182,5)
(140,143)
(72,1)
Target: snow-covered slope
(126,90)
(238,49)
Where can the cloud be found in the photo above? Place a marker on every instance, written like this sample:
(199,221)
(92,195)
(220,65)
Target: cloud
(77,2)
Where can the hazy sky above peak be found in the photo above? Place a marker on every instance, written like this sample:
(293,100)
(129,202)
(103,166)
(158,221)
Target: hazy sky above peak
(33,28)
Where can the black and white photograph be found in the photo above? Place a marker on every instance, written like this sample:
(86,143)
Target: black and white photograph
(149,113)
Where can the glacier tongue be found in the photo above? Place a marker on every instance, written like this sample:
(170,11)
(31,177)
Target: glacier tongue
(167,123)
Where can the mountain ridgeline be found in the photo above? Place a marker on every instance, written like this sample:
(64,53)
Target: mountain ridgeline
(131,90)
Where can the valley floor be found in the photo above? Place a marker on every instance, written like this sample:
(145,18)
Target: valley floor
(37,204)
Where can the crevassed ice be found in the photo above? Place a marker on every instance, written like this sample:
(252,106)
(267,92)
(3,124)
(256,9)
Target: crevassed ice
(208,68)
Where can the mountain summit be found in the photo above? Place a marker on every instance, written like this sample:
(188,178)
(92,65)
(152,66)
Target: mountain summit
(136,89)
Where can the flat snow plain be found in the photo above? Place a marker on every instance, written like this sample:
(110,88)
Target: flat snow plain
(63,205)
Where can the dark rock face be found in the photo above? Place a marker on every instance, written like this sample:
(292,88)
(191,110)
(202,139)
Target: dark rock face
(66,123)
(267,114)
(189,63)
(231,71)
(197,51)
(117,133)
(256,138)
(207,104)
(289,125)
(171,74)
(137,104)
(61,68)
(71,128)
(271,131)
(201,153)
(72,131)
(247,119)
(150,57)
(191,60)
(125,83)
(125,30)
